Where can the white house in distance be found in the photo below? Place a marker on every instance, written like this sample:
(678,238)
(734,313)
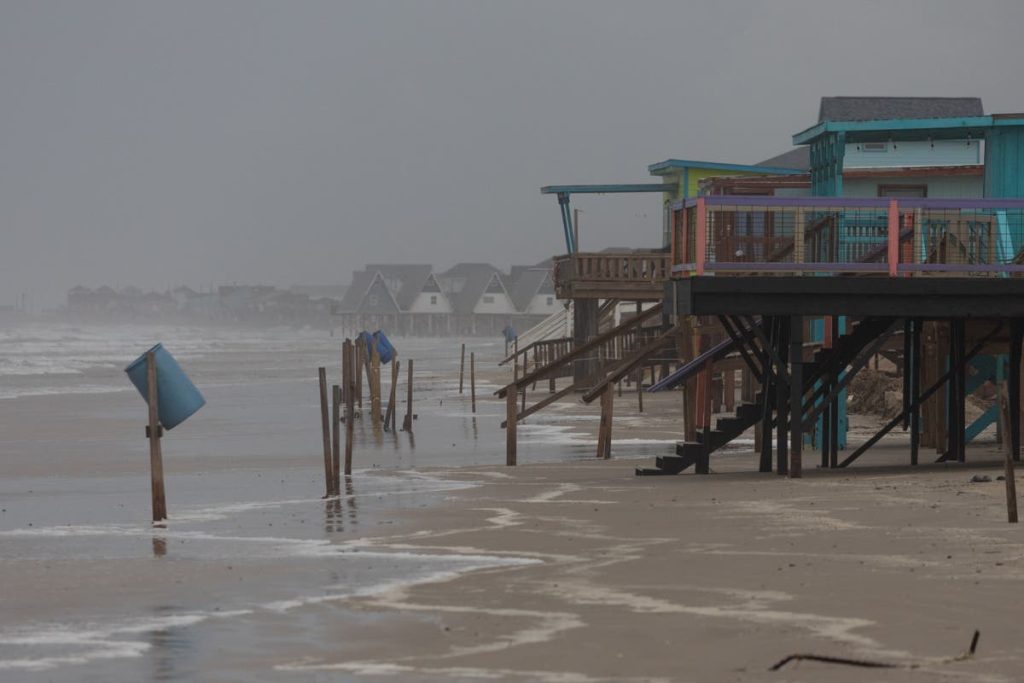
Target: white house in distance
(533,291)
(467,299)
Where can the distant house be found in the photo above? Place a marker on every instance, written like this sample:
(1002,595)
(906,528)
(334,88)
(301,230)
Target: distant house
(533,292)
(467,299)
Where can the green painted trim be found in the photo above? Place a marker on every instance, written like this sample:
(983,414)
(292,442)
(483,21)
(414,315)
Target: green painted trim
(663,167)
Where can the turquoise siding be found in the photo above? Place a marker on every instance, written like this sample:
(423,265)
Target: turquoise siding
(950,187)
(1004,162)
(914,153)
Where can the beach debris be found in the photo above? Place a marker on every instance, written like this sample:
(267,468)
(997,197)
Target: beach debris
(869,664)
(834,660)
(980,479)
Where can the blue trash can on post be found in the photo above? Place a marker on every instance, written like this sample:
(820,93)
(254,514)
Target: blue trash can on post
(178,398)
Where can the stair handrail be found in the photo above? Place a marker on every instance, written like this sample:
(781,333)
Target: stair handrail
(543,372)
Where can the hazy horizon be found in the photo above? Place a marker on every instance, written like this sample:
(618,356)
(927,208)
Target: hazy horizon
(158,144)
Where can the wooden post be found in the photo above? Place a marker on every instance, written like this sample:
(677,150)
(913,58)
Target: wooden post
(729,389)
(1016,336)
(604,435)
(154,431)
(325,423)
(335,439)
(472,380)
(375,388)
(360,351)
(796,396)
(407,422)
(510,426)
(462,364)
(640,389)
(389,415)
(350,406)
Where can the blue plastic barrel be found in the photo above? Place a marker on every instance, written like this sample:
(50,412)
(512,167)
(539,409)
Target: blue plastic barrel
(384,347)
(177,397)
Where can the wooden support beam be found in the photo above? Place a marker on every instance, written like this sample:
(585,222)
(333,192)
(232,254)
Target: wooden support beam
(913,367)
(920,399)
(1016,336)
(796,396)
(779,351)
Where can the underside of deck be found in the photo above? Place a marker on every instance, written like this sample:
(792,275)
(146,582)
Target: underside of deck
(916,297)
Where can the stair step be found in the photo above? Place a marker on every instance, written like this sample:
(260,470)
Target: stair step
(674,464)
(652,472)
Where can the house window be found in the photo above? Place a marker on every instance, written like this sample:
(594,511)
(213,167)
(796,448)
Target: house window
(433,299)
(488,299)
(902,190)
(551,301)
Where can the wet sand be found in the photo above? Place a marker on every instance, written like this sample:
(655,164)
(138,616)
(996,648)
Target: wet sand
(440,564)
(706,578)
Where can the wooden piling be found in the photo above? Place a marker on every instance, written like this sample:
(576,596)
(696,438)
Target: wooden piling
(335,439)
(325,424)
(350,405)
(472,381)
(389,415)
(154,431)
(1013,453)
(604,435)
(510,427)
(640,389)
(407,422)
(359,358)
(375,390)
(462,364)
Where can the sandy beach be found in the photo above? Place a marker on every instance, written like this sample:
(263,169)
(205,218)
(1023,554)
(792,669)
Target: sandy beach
(440,564)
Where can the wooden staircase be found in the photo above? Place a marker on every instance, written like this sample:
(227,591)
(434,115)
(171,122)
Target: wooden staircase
(824,360)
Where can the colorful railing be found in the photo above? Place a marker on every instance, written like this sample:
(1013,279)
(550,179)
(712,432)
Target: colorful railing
(834,236)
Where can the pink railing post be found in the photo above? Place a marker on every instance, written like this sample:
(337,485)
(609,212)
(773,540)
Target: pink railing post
(894,237)
(702,236)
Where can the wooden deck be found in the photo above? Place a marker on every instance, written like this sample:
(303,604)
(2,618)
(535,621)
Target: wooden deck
(633,276)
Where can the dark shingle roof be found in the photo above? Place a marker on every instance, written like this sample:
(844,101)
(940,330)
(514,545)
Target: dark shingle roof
(798,158)
(473,279)
(528,285)
(404,280)
(876,108)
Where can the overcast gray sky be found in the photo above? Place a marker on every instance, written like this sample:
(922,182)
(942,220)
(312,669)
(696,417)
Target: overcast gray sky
(165,143)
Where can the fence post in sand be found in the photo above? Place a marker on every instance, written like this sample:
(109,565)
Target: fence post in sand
(325,424)
(407,422)
(640,389)
(350,407)
(335,439)
(375,388)
(154,431)
(360,350)
(462,364)
(510,426)
(472,381)
(389,414)
(604,433)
